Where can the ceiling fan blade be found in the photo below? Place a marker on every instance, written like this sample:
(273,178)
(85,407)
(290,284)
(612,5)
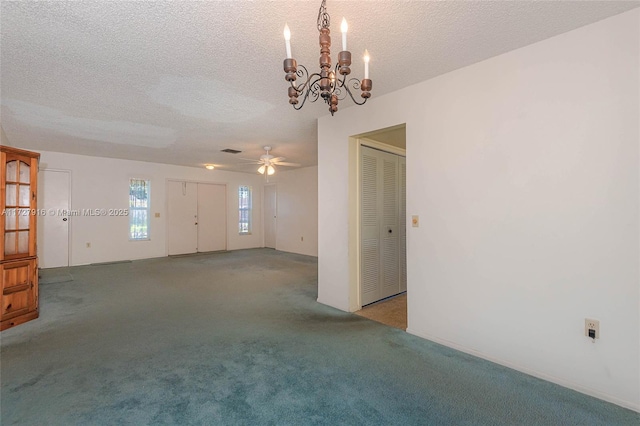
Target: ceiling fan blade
(275,160)
(249,159)
(281,163)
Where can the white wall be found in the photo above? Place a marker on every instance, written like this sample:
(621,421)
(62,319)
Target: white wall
(3,138)
(524,170)
(297,210)
(103,183)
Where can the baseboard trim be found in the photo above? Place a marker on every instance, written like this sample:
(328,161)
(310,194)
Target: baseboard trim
(326,302)
(558,381)
(115,262)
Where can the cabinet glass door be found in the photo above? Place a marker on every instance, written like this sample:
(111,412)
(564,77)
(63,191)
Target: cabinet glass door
(17,208)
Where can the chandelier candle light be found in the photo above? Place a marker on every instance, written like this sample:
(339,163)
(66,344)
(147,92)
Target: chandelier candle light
(326,83)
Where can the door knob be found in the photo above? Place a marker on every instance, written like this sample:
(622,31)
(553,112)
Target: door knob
(64,219)
(390,231)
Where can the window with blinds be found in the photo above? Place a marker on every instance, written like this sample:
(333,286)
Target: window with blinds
(244,210)
(139,197)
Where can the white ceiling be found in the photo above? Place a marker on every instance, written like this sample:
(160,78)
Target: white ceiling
(176,82)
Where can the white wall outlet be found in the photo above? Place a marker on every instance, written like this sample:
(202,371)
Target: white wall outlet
(591,324)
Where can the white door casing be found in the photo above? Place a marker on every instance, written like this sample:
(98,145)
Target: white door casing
(402,226)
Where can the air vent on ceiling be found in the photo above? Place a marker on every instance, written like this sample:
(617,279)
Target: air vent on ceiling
(231,151)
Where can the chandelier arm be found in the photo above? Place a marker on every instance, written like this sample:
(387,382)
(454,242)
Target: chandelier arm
(340,93)
(303,74)
(314,87)
(356,85)
(304,99)
(337,87)
(315,91)
(307,81)
(311,93)
(336,83)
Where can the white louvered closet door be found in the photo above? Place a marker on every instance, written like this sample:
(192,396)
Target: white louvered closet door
(369,227)
(382,229)
(389,231)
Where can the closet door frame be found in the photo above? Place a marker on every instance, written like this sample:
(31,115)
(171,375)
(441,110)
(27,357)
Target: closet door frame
(356,219)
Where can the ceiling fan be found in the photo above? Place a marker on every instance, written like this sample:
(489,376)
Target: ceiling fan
(268,162)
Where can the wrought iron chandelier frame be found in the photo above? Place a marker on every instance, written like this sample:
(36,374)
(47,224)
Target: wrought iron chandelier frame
(329,84)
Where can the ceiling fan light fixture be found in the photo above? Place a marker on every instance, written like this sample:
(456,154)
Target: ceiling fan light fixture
(261,169)
(271,170)
(209,167)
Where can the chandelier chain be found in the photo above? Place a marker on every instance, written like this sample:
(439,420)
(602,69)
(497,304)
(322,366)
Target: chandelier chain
(324,20)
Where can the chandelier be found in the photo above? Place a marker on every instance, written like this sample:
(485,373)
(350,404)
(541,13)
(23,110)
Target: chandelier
(329,84)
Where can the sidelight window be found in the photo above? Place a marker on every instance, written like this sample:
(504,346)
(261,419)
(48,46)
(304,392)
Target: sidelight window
(139,209)
(244,210)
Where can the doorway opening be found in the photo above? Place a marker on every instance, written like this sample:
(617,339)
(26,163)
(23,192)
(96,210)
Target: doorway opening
(378,225)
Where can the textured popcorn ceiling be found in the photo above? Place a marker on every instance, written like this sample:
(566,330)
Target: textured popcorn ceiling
(176,82)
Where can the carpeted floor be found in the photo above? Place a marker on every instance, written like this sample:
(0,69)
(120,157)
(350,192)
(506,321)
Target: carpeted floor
(238,339)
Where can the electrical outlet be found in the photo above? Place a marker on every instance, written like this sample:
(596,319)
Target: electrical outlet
(593,326)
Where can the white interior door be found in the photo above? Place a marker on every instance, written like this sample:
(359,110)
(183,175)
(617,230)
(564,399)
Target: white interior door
(369,227)
(270,215)
(382,225)
(182,217)
(389,236)
(53,227)
(212,217)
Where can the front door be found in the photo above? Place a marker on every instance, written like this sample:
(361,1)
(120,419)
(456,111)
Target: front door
(182,218)
(212,217)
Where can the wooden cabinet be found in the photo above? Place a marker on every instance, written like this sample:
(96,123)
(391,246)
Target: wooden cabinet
(18,214)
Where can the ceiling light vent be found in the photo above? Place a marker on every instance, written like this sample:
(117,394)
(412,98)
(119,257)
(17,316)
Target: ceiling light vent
(231,151)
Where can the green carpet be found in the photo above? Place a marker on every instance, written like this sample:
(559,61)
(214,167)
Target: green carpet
(238,338)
